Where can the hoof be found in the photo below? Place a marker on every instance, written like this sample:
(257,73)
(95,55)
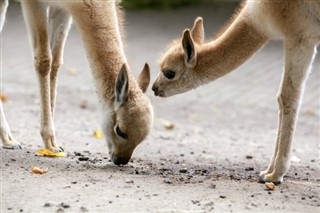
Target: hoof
(55,149)
(13,146)
(61,149)
(264,180)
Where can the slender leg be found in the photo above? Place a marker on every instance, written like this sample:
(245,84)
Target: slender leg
(271,164)
(298,59)
(59,25)
(5,133)
(36,20)
(3,10)
(8,141)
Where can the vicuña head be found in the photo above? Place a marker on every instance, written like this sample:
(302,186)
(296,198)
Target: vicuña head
(131,116)
(178,74)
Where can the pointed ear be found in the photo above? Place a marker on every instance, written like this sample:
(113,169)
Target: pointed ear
(190,56)
(144,78)
(197,31)
(122,86)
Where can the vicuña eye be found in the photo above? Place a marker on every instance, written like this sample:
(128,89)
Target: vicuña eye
(120,133)
(169,74)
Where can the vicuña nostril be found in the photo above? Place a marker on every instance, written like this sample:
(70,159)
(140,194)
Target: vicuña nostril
(155,88)
(120,160)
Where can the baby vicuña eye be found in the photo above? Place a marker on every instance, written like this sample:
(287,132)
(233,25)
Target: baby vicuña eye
(120,133)
(169,74)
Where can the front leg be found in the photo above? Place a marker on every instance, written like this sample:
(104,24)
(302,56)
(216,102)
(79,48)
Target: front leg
(36,20)
(298,59)
(59,25)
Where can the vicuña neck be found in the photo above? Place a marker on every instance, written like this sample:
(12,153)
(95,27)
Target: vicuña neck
(221,56)
(99,28)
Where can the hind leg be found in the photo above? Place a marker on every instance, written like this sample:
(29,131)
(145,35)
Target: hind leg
(8,141)
(3,10)
(299,55)
(59,25)
(5,134)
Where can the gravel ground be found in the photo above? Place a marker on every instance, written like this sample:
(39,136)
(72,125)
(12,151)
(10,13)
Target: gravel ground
(223,135)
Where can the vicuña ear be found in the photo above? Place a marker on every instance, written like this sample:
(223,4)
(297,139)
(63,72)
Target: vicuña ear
(122,86)
(190,56)
(144,78)
(197,31)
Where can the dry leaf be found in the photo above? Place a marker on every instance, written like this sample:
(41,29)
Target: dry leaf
(84,104)
(310,112)
(270,185)
(97,134)
(166,124)
(3,97)
(295,159)
(48,153)
(72,70)
(37,170)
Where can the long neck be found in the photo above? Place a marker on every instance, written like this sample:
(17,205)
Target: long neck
(99,27)
(237,44)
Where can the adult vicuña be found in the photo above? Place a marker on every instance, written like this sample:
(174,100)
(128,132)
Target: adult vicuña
(191,62)
(127,112)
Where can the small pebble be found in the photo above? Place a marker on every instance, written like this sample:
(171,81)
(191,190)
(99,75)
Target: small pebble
(83,158)
(212,186)
(59,210)
(167,181)
(184,170)
(47,204)
(129,181)
(249,169)
(64,205)
(83,209)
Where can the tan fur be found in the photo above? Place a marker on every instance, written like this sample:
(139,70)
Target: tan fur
(100,26)
(195,63)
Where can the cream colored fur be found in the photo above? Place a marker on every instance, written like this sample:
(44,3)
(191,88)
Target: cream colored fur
(127,112)
(191,62)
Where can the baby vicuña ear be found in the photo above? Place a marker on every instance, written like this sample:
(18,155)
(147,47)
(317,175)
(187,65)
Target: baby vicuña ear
(197,31)
(122,86)
(190,55)
(144,78)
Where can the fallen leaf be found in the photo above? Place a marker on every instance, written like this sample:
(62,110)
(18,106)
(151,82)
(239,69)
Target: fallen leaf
(48,153)
(310,112)
(3,97)
(39,171)
(84,104)
(166,124)
(97,134)
(270,185)
(72,70)
(295,159)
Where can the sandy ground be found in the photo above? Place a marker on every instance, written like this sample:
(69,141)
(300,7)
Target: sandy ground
(223,137)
